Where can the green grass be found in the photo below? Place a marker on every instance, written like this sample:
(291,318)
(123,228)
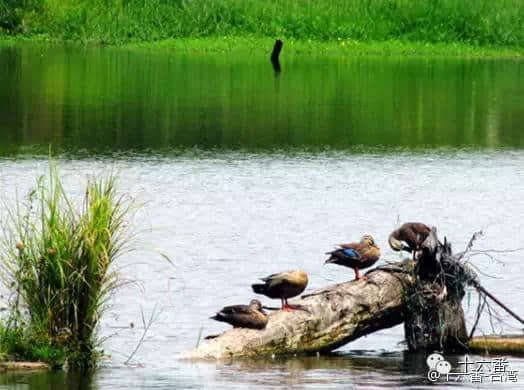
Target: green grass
(349,47)
(22,344)
(56,259)
(478,23)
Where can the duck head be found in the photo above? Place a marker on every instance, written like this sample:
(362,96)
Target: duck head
(255,304)
(367,239)
(396,244)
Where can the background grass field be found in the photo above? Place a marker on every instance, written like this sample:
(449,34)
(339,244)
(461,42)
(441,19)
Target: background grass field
(479,22)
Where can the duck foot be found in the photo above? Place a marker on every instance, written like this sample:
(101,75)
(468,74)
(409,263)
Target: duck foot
(288,307)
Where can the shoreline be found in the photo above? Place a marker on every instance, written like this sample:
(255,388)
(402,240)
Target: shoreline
(263,46)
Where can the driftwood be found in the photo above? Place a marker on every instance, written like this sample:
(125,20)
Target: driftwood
(332,317)
(425,295)
(23,366)
(513,344)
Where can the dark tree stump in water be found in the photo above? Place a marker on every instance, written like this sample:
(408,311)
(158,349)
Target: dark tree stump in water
(275,54)
(434,314)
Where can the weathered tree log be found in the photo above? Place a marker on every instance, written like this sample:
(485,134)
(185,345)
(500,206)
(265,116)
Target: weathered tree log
(334,317)
(427,297)
(507,344)
(434,314)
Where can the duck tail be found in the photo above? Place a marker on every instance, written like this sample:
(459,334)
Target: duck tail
(259,288)
(217,317)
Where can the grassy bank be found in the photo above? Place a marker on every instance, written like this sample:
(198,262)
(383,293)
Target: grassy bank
(55,259)
(480,23)
(339,47)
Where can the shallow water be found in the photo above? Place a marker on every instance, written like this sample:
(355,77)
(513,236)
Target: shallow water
(242,173)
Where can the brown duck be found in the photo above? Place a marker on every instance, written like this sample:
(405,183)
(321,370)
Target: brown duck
(283,285)
(356,255)
(409,237)
(243,316)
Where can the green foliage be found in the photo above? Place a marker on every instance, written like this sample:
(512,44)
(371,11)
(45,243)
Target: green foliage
(57,260)
(482,22)
(15,13)
(29,345)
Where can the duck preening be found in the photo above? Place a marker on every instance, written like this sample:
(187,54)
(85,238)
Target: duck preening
(283,285)
(356,255)
(409,237)
(243,316)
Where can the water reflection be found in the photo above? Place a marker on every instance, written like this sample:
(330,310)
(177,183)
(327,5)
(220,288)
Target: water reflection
(106,100)
(220,152)
(356,369)
(47,380)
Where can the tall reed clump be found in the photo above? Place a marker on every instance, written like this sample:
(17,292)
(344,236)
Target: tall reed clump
(56,258)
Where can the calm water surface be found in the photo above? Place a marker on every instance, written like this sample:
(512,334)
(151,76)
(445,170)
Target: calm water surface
(242,173)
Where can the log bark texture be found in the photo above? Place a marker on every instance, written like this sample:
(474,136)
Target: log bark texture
(334,317)
(434,314)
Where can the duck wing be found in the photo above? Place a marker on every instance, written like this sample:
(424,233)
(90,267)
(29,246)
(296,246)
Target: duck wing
(278,277)
(236,309)
(352,245)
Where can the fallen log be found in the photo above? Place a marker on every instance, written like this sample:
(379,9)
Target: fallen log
(507,344)
(332,317)
(23,366)
(426,297)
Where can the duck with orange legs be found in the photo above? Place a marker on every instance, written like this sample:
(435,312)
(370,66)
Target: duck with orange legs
(283,285)
(356,255)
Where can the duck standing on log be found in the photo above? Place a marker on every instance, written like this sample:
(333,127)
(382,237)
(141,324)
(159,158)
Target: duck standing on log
(409,237)
(356,255)
(283,285)
(243,316)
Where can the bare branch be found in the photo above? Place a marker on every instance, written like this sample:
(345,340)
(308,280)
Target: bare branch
(154,316)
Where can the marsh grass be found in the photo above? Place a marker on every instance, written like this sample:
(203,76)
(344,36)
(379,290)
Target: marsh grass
(481,22)
(56,259)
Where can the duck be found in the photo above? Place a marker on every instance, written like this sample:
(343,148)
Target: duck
(356,255)
(409,237)
(283,285)
(243,316)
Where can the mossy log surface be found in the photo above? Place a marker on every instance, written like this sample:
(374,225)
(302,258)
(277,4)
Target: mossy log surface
(23,366)
(513,344)
(335,316)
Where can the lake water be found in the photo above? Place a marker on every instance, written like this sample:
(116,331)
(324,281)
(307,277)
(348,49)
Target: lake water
(242,173)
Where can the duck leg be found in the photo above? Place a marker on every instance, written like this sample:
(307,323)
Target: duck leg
(289,307)
(286,306)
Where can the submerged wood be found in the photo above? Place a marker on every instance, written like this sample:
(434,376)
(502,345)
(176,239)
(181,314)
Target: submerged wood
(275,54)
(513,344)
(23,366)
(331,318)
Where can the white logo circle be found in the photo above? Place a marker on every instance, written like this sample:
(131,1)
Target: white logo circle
(433,359)
(443,367)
